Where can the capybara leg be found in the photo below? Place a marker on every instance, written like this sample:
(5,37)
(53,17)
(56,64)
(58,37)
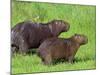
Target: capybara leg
(48,60)
(70,59)
(23,49)
(13,50)
(43,62)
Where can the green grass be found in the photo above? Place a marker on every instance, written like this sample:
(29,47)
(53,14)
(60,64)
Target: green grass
(82,20)
(32,64)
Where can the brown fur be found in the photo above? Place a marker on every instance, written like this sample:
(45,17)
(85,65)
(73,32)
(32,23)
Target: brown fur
(28,35)
(60,48)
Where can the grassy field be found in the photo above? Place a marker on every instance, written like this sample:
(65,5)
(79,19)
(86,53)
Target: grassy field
(82,20)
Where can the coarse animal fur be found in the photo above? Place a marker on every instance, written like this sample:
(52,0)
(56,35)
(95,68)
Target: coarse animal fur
(60,48)
(27,35)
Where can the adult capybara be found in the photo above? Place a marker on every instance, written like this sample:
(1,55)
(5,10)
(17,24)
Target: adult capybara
(27,35)
(59,48)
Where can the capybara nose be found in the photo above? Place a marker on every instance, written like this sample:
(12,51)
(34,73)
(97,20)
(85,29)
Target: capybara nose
(85,40)
(67,27)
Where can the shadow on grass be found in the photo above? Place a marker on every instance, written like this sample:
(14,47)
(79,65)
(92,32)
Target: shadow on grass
(32,51)
(83,59)
(76,60)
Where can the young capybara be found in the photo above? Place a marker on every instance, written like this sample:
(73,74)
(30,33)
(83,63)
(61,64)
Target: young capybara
(59,48)
(27,35)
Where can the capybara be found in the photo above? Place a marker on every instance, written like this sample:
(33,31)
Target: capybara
(27,35)
(59,48)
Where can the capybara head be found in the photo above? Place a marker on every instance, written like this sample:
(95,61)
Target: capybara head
(58,26)
(79,38)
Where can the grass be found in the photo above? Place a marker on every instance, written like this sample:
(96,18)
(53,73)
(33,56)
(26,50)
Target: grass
(32,64)
(82,20)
